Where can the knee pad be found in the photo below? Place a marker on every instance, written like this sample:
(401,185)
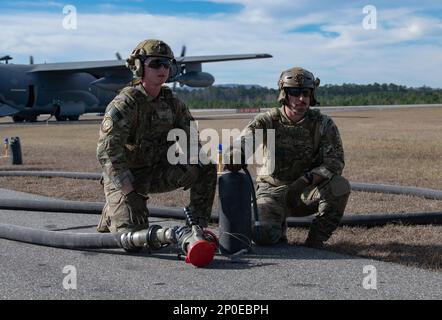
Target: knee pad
(339,186)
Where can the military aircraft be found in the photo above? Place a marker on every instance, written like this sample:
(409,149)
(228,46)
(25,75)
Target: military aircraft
(68,90)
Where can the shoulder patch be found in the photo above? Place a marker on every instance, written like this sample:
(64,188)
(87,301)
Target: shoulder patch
(107,124)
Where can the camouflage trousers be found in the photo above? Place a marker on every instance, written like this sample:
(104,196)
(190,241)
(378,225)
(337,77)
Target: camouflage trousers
(116,215)
(327,200)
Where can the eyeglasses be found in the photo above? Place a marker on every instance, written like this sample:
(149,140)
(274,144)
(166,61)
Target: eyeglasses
(296,92)
(157,63)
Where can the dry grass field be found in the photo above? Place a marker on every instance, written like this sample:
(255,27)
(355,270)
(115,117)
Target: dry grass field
(400,147)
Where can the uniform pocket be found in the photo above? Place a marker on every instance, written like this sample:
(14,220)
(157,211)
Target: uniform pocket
(115,197)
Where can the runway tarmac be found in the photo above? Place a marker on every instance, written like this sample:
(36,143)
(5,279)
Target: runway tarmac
(282,272)
(212,114)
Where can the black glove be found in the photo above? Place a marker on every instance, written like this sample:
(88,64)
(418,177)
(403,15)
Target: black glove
(295,190)
(189,177)
(137,208)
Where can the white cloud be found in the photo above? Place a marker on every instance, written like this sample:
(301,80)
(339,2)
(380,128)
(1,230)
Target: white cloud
(404,41)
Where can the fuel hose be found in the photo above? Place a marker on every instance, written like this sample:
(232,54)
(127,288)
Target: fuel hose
(367,220)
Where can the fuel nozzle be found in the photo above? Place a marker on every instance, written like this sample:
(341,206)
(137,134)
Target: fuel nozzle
(198,244)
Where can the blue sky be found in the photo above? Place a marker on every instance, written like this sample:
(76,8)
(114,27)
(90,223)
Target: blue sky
(164,7)
(326,37)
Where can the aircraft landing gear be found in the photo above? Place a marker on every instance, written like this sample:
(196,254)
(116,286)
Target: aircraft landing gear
(64,118)
(61,118)
(20,119)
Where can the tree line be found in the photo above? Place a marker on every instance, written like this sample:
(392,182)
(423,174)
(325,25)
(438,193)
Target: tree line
(240,96)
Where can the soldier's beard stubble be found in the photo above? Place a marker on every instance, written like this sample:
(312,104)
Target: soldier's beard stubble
(298,108)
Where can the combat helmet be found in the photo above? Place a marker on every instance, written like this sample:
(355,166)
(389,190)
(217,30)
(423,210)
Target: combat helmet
(300,78)
(145,49)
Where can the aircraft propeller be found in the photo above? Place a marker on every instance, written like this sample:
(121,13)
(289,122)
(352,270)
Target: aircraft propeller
(183,53)
(6,58)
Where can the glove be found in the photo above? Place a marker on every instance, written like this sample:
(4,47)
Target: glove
(294,191)
(137,208)
(189,177)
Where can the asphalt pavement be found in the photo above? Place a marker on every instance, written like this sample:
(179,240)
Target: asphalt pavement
(268,273)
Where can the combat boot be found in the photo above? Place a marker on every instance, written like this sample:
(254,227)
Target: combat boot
(313,243)
(316,238)
(194,218)
(200,221)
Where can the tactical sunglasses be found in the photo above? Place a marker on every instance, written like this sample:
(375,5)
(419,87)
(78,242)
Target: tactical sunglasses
(296,92)
(157,63)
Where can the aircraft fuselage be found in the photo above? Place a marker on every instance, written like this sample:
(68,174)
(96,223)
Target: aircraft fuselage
(64,94)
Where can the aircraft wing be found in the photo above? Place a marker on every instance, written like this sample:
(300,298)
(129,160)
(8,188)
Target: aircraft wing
(222,57)
(103,68)
(113,74)
(95,68)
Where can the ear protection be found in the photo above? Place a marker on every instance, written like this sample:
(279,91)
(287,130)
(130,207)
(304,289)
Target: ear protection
(135,62)
(317,82)
(314,101)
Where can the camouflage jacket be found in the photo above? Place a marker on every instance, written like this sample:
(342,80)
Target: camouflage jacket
(134,131)
(312,144)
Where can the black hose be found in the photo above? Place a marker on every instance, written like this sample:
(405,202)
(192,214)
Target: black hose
(79,207)
(356,186)
(52,206)
(57,239)
(68,240)
(176,213)
(387,188)
(376,220)
(52,174)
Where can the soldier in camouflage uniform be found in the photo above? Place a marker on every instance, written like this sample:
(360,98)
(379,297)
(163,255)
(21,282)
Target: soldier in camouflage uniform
(308,163)
(132,147)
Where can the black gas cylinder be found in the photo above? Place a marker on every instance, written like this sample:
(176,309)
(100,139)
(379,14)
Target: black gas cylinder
(15,147)
(235,219)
